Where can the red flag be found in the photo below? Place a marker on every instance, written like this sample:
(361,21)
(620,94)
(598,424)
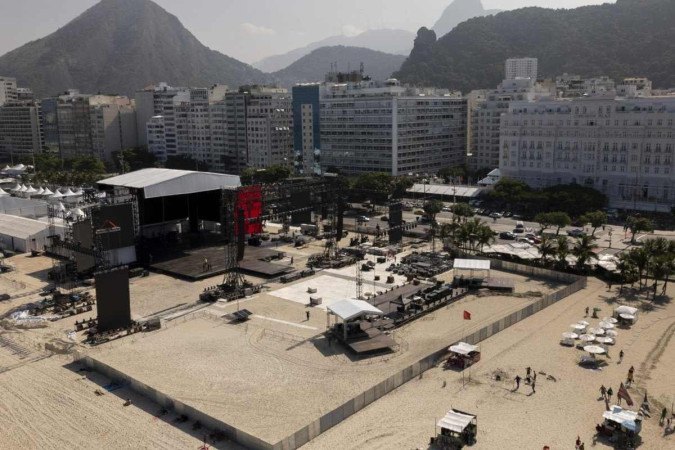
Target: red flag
(467,315)
(623,393)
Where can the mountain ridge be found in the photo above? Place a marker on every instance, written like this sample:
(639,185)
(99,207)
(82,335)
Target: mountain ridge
(641,43)
(119,46)
(460,11)
(384,40)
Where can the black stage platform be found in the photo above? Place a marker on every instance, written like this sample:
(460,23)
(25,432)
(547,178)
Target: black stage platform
(200,263)
(383,301)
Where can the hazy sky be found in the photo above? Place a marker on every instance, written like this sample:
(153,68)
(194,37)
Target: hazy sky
(252,29)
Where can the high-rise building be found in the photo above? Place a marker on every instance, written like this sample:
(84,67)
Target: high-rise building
(621,147)
(74,122)
(20,130)
(113,125)
(8,90)
(269,127)
(373,126)
(486,117)
(155,101)
(156,137)
(306,126)
(521,68)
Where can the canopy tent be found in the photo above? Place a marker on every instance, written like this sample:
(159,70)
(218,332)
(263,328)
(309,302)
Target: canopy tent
(625,310)
(353,309)
(47,192)
(3,193)
(594,349)
(57,194)
(68,193)
(570,335)
(462,348)
(40,191)
(455,421)
(471,265)
(627,419)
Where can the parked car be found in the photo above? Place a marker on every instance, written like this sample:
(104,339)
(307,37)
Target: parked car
(496,215)
(508,214)
(507,235)
(526,240)
(577,232)
(361,219)
(384,219)
(520,225)
(518,230)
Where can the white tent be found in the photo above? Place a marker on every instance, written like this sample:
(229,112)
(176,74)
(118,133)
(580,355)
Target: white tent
(47,192)
(16,188)
(626,310)
(462,348)
(68,193)
(78,213)
(352,309)
(3,193)
(23,188)
(455,421)
(40,191)
(57,194)
(31,190)
(60,207)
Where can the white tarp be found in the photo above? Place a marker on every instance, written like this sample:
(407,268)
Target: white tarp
(351,309)
(455,421)
(472,264)
(622,416)
(462,348)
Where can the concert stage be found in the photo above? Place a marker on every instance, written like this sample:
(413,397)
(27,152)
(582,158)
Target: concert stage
(200,263)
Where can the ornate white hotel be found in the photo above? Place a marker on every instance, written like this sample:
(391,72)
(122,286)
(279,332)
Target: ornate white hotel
(622,147)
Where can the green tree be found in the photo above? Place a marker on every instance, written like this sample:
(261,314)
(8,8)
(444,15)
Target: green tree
(132,159)
(596,219)
(547,247)
(544,220)
(400,186)
(584,250)
(461,212)
(559,220)
(184,162)
(562,251)
(451,173)
(639,258)
(638,225)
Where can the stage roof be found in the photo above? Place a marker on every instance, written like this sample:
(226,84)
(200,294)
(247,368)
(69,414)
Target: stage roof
(167,182)
(472,264)
(352,309)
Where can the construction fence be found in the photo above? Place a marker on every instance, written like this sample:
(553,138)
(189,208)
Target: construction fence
(332,418)
(337,415)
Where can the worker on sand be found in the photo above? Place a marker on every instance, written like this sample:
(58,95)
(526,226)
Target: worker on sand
(518,382)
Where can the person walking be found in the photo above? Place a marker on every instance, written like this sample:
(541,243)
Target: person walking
(621,356)
(609,394)
(629,378)
(307,314)
(603,392)
(663,416)
(534,376)
(577,443)
(582,446)
(587,311)
(528,371)
(518,382)
(533,391)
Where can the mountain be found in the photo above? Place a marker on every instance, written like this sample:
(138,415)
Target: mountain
(460,11)
(629,38)
(119,46)
(398,42)
(313,67)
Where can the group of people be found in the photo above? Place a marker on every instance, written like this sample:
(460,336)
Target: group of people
(580,445)
(530,378)
(668,423)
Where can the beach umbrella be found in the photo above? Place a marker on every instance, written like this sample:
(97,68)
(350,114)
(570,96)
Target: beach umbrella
(587,337)
(605,340)
(611,333)
(597,331)
(594,349)
(606,325)
(609,320)
(627,316)
(578,327)
(570,335)
(584,323)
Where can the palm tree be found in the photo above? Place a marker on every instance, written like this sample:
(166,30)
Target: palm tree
(485,236)
(627,270)
(547,247)
(447,230)
(562,250)
(640,259)
(584,250)
(659,267)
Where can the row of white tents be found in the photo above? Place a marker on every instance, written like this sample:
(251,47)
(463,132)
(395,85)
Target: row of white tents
(67,194)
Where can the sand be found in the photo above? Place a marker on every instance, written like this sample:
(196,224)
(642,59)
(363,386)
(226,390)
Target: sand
(554,416)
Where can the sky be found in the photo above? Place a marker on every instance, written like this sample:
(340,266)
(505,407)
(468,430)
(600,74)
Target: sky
(250,30)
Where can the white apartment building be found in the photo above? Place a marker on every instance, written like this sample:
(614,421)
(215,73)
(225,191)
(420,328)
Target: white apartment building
(371,126)
(621,147)
(8,90)
(521,68)
(486,118)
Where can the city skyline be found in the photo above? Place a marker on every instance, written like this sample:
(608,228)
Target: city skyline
(250,31)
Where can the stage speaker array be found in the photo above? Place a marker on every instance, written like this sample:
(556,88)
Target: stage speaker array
(395,223)
(113,301)
(241,234)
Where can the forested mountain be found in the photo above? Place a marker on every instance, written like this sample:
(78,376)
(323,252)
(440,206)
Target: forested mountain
(313,67)
(119,46)
(629,38)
